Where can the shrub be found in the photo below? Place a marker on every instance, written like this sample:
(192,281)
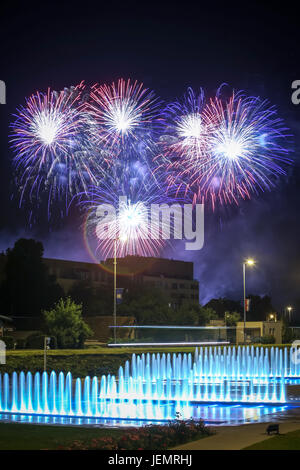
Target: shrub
(53,342)
(65,323)
(152,437)
(21,343)
(9,342)
(80,365)
(35,341)
(267,339)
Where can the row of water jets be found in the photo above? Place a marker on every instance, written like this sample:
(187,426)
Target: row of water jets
(246,375)
(230,363)
(59,395)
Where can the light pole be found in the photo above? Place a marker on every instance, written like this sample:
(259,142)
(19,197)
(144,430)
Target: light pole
(115,290)
(289,309)
(123,239)
(249,262)
(46,346)
(225,324)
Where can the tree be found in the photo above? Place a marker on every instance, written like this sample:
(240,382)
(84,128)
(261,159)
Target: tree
(186,314)
(231,318)
(94,300)
(206,314)
(65,323)
(222,305)
(28,287)
(149,306)
(152,306)
(193,314)
(260,307)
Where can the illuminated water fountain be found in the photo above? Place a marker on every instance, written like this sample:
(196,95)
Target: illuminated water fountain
(154,386)
(215,363)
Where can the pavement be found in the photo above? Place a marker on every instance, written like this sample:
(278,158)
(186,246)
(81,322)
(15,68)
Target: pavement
(239,437)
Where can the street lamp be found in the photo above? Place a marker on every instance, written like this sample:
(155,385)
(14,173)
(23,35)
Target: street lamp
(249,262)
(122,239)
(289,309)
(115,291)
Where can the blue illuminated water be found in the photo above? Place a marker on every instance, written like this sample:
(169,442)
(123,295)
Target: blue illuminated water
(212,414)
(156,387)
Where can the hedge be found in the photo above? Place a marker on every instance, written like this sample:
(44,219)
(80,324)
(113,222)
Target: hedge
(79,365)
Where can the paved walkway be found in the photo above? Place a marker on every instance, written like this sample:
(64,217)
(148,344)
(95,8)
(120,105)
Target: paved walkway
(238,437)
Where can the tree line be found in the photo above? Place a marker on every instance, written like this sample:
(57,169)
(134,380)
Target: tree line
(28,289)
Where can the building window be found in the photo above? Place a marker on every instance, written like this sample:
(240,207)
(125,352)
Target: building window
(83,275)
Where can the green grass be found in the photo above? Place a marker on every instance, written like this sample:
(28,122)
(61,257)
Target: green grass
(18,436)
(81,362)
(288,441)
(91,361)
(14,436)
(95,351)
(113,351)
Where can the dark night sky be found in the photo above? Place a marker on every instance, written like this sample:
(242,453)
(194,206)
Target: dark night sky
(251,47)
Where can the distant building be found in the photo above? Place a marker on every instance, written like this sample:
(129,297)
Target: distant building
(257,329)
(174,277)
(69,272)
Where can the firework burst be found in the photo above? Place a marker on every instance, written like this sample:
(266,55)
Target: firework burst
(132,199)
(117,138)
(127,115)
(184,141)
(51,141)
(244,151)
(248,149)
(185,133)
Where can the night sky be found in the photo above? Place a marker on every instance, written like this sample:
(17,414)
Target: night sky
(168,48)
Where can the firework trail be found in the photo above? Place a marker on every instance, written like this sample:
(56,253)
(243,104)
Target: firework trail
(244,149)
(51,139)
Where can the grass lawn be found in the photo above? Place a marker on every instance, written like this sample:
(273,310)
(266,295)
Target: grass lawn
(95,351)
(15,436)
(288,441)
(103,349)
(93,360)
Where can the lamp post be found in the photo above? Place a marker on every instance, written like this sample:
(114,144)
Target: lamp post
(289,309)
(225,324)
(249,262)
(115,290)
(122,239)
(46,346)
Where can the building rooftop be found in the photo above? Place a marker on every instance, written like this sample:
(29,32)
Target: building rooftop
(154,266)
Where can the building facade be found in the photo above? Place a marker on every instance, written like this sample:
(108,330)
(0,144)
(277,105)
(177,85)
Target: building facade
(175,278)
(258,329)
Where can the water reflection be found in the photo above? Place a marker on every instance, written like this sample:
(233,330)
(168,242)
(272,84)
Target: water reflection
(140,414)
